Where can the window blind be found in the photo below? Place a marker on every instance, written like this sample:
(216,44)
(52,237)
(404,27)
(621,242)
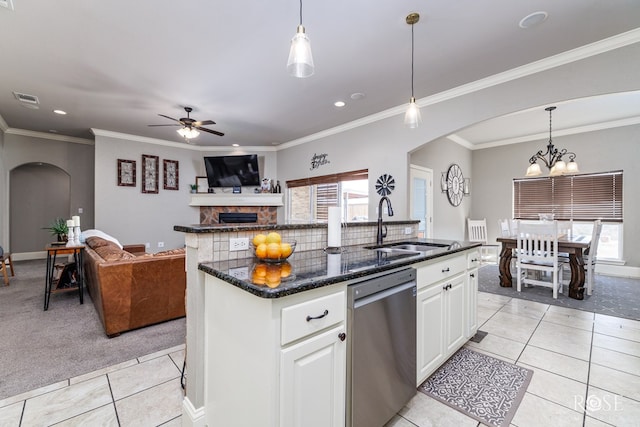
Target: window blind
(329,179)
(584,197)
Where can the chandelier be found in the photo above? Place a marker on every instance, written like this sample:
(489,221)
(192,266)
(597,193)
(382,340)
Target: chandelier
(552,158)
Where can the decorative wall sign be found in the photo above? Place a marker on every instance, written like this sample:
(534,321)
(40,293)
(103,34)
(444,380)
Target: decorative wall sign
(171,176)
(150,173)
(126,173)
(455,185)
(385,184)
(318,160)
(202,184)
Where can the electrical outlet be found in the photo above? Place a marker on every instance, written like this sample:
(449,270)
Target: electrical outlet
(80,210)
(239,244)
(161,244)
(407,230)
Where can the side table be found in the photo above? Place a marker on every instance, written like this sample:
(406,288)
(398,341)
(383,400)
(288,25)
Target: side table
(51,282)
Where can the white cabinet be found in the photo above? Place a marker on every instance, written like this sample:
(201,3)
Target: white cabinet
(446,308)
(274,361)
(312,381)
(471,300)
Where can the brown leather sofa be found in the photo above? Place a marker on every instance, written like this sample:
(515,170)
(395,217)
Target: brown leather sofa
(131,289)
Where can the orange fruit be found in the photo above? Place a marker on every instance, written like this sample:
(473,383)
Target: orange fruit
(258,239)
(273,276)
(286,249)
(261,250)
(273,237)
(285,269)
(273,250)
(260,270)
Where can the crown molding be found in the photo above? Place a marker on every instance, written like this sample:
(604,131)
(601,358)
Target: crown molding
(47,135)
(181,145)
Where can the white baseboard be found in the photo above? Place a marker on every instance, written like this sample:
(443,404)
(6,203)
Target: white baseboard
(618,270)
(191,416)
(25,256)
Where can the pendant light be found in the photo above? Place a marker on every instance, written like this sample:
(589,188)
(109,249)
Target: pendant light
(412,117)
(188,132)
(300,63)
(552,158)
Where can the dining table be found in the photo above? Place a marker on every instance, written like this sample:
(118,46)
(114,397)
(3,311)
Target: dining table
(573,245)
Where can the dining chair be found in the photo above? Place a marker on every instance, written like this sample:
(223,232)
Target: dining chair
(537,252)
(565,228)
(591,254)
(477,229)
(5,261)
(504,225)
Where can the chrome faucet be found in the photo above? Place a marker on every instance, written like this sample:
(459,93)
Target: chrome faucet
(383,234)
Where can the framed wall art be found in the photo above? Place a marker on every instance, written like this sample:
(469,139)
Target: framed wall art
(171,176)
(150,169)
(126,173)
(202,184)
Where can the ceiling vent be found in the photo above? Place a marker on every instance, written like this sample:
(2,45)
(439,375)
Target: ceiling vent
(27,100)
(7,3)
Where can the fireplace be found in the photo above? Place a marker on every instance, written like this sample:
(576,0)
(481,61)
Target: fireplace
(260,215)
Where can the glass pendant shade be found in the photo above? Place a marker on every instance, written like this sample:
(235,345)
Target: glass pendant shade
(558,169)
(412,117)
(188,133)
(572,167)
(300,63)
(534,170)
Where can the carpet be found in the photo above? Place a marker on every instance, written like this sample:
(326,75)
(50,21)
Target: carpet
(486,389)
(612,296)
(44,347)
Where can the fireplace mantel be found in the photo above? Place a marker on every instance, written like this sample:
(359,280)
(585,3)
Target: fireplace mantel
(266,199)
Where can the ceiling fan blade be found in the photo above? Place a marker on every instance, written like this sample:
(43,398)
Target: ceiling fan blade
(166,125)
(170,118)
(203,123)
(215,132)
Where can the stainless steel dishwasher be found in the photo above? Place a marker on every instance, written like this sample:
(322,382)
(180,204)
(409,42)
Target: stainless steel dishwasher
(381,361)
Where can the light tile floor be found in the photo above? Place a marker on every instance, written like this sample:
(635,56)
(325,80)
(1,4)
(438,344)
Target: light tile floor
(586,373)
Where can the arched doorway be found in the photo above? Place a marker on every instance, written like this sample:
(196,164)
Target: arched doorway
(38,193)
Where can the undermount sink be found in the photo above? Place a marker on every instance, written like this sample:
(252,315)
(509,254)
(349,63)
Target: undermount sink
(415,248)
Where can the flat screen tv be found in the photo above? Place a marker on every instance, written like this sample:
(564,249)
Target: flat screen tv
(232,171)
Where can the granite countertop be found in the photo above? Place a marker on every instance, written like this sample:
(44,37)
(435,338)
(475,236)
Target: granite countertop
(313,269)
(234,227)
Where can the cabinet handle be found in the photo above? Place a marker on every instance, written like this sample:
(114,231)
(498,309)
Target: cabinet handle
(447,287)
(342,336)
(309,318)
(445,270)
(474,260)
(472,275)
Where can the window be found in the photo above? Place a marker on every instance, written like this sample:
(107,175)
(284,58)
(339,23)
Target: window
(309,199)
(581,198)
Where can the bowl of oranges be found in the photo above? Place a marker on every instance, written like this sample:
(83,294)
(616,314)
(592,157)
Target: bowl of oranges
(270,274)
(270,247)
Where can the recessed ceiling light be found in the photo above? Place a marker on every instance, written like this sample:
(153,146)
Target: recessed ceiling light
(61,112)
(339,103)
(533,19)
(357,95)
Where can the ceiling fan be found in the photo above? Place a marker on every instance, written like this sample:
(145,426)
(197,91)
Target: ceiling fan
(190,125)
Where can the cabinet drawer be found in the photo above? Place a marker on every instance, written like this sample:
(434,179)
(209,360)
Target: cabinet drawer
(473,259)
(440,270)
(309,317)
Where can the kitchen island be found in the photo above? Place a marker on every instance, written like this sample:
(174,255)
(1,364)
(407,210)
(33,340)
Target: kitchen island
(259,361)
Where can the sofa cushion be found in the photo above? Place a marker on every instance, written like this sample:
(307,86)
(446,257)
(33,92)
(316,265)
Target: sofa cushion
(97,233)
(97,242)
(170,252)
(113,253)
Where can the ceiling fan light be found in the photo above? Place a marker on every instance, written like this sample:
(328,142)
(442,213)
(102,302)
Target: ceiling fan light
(188,133)
(412,117)
(300,62)
(534,170)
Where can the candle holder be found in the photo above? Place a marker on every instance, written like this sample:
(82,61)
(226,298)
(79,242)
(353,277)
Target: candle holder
(71,237)
(76,234)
